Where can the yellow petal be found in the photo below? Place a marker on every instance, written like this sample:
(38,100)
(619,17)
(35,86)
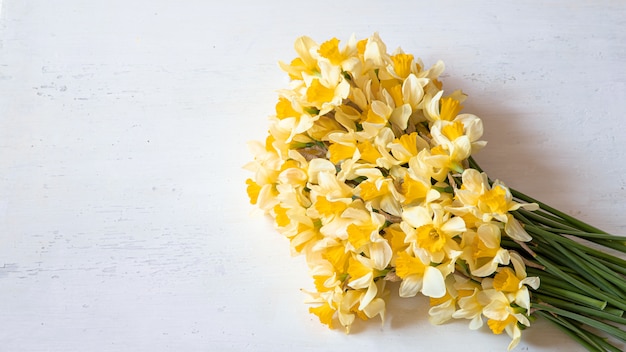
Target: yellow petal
(359,235)
(402,64)
(340,152)
(368,152)
(281,216)
(330,50)
(506,280)
(407,265)
(318,94)
(450,107)
(253,190)
(284,109)
(325,313)
(498,326)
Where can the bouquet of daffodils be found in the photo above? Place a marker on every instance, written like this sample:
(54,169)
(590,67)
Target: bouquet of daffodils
(368,171)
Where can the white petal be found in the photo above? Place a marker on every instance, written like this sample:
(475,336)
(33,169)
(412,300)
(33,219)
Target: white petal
(267,198)
(462,148)
(489,234)
(515,230)
(346,320)
(440,314)
(372,52)
(417,216)
(431,107)
(473,125)
(410,286)
(531,281)
(367,298)
(432,195)
(522,298)
(503,257)
(381,109)
(522,319)
(486,269)
(434,284)
(516,336)
(476,323)
(336,228)
(412,90)
(376,307)
(303,46)
(518,265)
(400,116)
(454,226)
(380,253)
(362,282)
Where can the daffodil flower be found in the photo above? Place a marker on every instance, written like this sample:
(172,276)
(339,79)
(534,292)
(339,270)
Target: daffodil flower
(470,303)
(502,316)
(418,276)
(379,191)
(433,230)
(482,250)
(487,202)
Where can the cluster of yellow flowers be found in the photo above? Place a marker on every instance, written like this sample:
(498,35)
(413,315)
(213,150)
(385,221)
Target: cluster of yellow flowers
(365,170)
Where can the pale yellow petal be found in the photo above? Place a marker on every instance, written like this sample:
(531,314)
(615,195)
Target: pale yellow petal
(434,283)
(515,230)
(410,286)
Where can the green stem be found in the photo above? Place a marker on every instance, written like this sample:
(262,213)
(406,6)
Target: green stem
(601,269)
(544,220)
(521,218)
(581,336)
(554,281)
(604,343)
(535,230)
(607,328)
(473,164)
(617,245)
(611,315)
(573,296)
(571,220)
(583,268)
(616,267)
(617,302)
(545,214)
(584,234)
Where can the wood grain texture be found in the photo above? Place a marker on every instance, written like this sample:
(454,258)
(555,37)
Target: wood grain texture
(124,223)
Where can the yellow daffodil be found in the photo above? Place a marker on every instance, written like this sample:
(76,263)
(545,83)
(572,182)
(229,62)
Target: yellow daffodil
(407,147)
(379,191)
(305,62)
(515,282)
(438,108)
(502,316)
(418,276)
(482,250)
(469,302)
(442,309)
(367,170)
(433,230)
(488,202)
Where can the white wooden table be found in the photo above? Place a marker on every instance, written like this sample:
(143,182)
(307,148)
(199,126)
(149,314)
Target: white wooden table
(124,222)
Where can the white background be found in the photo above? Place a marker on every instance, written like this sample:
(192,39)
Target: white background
(124,221)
